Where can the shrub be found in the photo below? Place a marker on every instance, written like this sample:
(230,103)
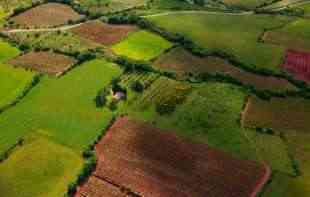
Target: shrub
(137,86)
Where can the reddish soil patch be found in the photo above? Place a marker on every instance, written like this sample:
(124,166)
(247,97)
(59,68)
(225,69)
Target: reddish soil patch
(46,62)
(181,61)
(280,114)
(46,15)
(102,33)
(298,64)
(95,187)
(153,163)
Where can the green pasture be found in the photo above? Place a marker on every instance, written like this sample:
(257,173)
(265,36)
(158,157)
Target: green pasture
(39,168)
(63,109)
(247,4)
(237,35)
(142,45)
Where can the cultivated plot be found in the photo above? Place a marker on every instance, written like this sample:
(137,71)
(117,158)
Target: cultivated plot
(103,33)
(281,114)
(46,15)
(46,62)
(132,146)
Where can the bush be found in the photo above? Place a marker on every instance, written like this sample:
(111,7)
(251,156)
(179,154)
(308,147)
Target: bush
(137,86)
(101,98)
(165,108)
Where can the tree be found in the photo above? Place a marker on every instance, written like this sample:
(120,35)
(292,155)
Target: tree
(137,86)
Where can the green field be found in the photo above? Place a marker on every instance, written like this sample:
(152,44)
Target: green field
(39,168)
(13,82)
(210,32)
(63,108)
(247,4)
(142,45)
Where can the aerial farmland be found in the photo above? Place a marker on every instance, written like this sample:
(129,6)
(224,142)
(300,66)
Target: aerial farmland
(154,98)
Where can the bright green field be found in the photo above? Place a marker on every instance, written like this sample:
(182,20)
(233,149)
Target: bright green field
(142,45)
(7,51)
(13,83)
(63,108)
(210,115)
(39,168)
(233,34)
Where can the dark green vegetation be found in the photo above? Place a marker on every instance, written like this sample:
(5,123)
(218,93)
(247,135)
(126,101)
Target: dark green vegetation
(48,125)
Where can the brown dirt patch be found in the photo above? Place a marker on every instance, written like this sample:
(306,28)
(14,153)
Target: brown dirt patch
(280,114)
(103,33)
(154,163)
(181,61)
(46,15)
(46,62)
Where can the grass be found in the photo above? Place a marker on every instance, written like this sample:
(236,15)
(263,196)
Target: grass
(210,32)
(246,4)
(13,82)
(66,42)
(63,109)
(7,51)
(39,168)
(142,45)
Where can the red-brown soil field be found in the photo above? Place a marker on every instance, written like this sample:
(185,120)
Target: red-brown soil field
(280,114)
(298,64)
(103,33)
(181,61)
(46,62)
(155,163)
(95,187)
(46,15)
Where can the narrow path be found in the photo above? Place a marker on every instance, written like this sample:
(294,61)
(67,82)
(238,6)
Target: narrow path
(199,12)
(61,28)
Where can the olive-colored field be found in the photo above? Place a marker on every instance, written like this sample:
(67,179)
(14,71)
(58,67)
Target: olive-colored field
(234,34)
(142,45)
(39,168)
(182,62)
(295,35)
(65,42)
(46,15)
(281,114)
